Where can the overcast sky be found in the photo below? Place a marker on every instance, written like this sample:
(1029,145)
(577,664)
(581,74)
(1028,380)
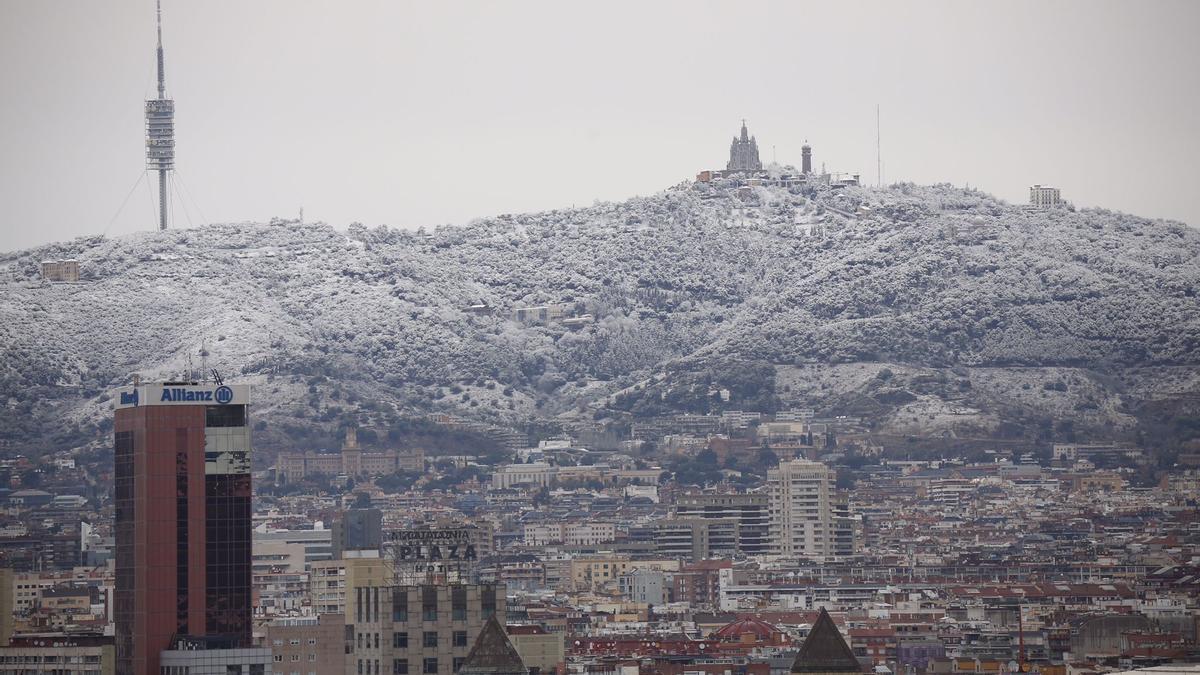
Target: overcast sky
(423,113)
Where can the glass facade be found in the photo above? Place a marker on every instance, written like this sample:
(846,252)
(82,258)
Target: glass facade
(183,524)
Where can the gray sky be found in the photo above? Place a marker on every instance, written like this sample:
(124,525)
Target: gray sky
(422,113)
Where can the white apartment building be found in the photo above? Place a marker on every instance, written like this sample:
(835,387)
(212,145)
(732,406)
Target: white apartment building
(808,517)
(1044,197)
(538,473)
(571,534)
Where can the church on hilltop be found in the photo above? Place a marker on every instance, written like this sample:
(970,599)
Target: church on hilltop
(745,168)
(743,153)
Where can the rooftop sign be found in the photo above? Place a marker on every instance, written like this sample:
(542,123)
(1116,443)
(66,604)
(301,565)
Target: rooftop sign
(181,394)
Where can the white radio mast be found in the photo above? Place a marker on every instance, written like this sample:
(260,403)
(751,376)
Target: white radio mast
(878,155)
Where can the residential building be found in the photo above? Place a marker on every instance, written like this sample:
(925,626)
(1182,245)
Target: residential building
(312,645)
(802,497)
(750,511)
(58,654)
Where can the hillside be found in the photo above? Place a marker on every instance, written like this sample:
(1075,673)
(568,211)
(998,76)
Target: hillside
(987,318)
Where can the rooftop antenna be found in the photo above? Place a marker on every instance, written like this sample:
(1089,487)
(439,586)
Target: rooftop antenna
(878,155)
(160,132)
(204,358)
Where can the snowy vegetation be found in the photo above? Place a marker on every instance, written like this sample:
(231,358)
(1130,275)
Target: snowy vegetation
(378,322)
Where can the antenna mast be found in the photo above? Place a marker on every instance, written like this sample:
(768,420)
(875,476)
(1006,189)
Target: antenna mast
(160,131)
(878,156)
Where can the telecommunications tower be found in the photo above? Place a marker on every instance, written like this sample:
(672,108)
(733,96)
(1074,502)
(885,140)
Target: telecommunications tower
(160,133)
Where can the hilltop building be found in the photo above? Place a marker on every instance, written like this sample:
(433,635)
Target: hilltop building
(743,153)
(352,461)
(60,270)
(1044,197)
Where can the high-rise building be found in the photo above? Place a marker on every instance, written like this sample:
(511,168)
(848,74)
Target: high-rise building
(808,517)
(182,519)
(743,153)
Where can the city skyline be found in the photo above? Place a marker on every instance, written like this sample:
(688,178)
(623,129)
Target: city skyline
(363,119)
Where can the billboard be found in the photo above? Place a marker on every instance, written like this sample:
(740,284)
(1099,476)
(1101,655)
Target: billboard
(449,545)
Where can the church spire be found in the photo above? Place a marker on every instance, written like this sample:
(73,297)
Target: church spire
(743,152)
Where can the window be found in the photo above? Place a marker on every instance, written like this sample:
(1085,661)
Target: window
(487,602)
(430,639)
(399,605)
(400,640)
(458,603)
(460,638)
(225,416)
(430,667)
(458,661)
(429,603)
(399,666)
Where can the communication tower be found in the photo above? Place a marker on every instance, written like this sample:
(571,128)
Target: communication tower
(160,133)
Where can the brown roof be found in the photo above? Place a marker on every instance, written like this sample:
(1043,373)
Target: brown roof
(825,650)
(493,653)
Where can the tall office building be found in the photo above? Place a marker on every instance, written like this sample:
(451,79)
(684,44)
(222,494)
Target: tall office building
(183,519)
(809,518)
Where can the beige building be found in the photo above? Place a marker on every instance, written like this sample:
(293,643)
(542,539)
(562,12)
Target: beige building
(809,518)
(537,474)
(352,461)
(571,534)
(538,648)
(417,630)
(55,654)
(330,579)
(312,645)
(60,270)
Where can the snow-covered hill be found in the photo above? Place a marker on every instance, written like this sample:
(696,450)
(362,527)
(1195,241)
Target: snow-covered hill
(981,313)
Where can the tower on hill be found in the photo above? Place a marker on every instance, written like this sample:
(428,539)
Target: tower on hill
(743,153)
(160,132)
(825,651)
